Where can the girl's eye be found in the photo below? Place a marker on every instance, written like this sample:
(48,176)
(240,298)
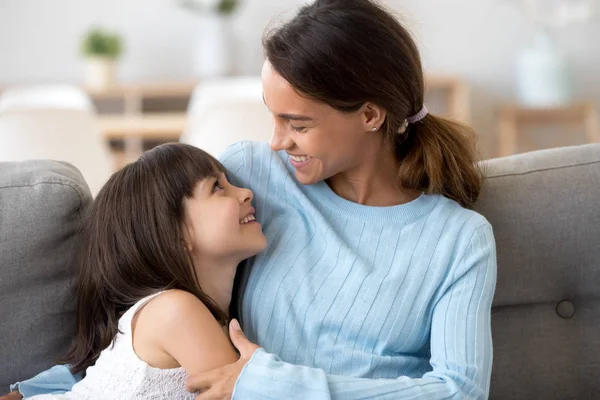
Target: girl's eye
(217,187)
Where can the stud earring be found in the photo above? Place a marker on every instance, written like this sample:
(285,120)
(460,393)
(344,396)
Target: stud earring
(374,129)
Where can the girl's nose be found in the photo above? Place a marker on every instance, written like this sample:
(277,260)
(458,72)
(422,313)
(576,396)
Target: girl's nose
(245,195)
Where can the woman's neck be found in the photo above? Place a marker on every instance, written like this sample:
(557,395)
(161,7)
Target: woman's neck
(216,279)
(374,179)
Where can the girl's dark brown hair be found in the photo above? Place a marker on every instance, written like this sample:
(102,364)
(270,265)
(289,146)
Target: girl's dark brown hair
(133,244)
(346,52)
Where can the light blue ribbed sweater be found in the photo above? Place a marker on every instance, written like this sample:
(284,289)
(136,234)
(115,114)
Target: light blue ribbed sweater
(354,302)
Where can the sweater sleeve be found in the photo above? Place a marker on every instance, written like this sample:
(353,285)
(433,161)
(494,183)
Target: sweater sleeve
(461,347)
(234,159)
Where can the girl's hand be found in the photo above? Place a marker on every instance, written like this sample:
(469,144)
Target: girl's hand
(218,384)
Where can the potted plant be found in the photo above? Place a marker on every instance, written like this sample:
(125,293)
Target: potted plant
(212,53)
(101,50)
(223,7)
(543,70)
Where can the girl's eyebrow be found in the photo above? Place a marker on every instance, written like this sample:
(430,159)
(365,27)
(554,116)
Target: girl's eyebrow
(209,182)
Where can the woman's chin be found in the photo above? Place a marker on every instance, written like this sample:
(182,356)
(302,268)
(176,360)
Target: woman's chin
(306,179)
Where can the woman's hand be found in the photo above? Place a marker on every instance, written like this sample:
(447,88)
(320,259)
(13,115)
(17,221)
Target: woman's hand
(12,396)
(218,384)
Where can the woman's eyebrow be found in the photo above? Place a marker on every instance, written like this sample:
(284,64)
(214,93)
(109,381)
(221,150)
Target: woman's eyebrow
(295,117)
(291,117)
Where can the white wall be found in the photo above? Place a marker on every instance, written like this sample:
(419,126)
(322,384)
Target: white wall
(476,39)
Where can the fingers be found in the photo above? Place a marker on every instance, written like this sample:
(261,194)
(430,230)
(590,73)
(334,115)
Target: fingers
(213,394)
(239,340)
(236,334)
(245,347)
(198,383)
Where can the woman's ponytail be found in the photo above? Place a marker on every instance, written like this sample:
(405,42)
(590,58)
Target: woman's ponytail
(439,156)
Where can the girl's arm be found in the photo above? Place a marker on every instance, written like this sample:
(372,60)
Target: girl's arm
(176,329)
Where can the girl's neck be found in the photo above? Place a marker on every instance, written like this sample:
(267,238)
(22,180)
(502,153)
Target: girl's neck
(216,279)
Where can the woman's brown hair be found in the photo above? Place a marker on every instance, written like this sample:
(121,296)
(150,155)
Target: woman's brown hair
(346,52)
(133,244)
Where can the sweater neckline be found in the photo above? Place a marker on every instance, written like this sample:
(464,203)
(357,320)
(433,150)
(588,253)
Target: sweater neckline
(402,213)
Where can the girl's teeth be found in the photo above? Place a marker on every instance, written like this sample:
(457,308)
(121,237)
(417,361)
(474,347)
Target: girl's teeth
(247,219)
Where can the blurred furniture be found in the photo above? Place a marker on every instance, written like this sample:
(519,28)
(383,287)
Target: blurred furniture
(135,129)
(514,117)
(543,207)
(224,111)
(34,97)
(66,135)
(133,125)
(154,126)
(457,96)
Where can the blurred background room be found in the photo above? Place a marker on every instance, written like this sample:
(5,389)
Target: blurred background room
(96,82)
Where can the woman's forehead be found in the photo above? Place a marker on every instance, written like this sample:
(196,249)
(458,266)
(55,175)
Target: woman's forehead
(281,97)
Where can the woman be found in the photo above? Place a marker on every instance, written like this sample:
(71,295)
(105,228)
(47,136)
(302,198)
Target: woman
(377,281)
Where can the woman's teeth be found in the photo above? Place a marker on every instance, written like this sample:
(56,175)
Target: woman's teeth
(300,158)
(247,219)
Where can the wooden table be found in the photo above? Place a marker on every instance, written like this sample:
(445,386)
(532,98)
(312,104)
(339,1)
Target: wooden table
(134,129)
(155,126)
(514,116)
(134,126)
(133,94)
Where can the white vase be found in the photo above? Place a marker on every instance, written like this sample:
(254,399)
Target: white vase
(212,53)
(543,78)
(100,72)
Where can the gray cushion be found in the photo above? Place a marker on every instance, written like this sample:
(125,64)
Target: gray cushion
(41,204)
(545,210)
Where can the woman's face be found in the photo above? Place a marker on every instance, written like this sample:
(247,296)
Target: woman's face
(320,140)
(220,222)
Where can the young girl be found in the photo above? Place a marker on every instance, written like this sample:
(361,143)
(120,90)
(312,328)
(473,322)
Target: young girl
(155,274)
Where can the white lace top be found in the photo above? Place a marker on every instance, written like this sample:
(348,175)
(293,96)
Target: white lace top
(120,374)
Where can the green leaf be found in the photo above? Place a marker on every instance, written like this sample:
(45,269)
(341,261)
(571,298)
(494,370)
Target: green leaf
(98,43)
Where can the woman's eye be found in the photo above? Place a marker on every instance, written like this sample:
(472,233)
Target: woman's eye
(298,128)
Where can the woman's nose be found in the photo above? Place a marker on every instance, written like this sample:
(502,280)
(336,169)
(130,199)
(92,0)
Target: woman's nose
(280,140)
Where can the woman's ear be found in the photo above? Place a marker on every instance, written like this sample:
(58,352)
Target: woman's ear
(373,116)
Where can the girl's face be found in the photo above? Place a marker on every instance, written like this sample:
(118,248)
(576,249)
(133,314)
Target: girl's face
(220,222)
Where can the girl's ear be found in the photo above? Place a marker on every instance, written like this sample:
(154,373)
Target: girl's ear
(188,237)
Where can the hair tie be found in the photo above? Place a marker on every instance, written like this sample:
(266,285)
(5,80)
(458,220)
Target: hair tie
(412,120)
(419,116)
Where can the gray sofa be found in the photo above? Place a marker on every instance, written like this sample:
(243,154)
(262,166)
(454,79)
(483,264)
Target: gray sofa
(544,207)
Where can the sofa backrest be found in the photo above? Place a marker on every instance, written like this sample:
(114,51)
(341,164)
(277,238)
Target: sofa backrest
(544,207)
(545,211)
(58,134)
(41,206)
